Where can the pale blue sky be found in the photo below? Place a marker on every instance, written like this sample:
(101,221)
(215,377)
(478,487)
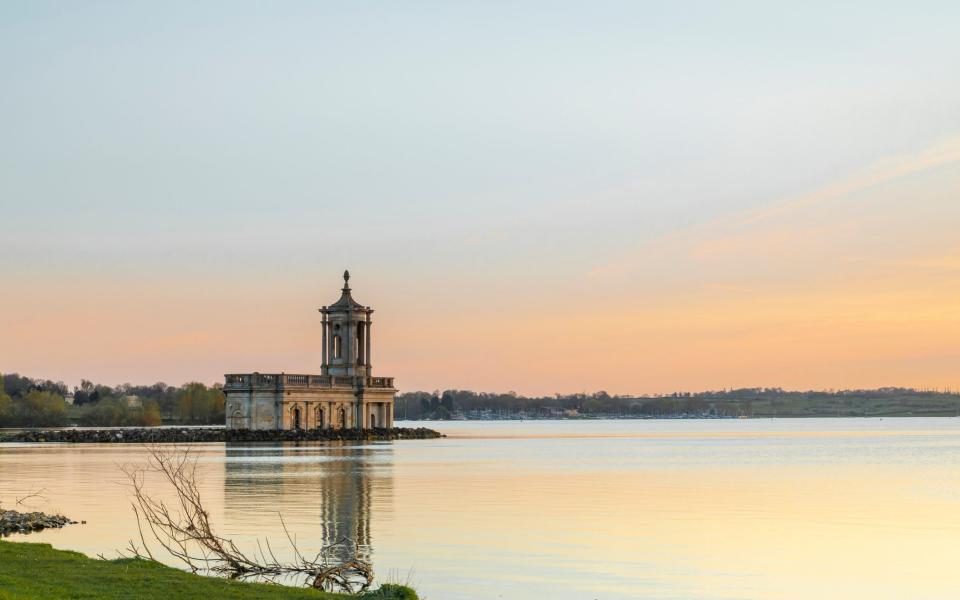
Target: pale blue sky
(434,145)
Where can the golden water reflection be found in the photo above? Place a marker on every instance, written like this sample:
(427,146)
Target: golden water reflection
(326,492)
(718,510)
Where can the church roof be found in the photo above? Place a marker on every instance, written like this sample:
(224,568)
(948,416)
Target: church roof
(346,301)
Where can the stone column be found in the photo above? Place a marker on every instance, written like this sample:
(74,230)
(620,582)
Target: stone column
(366,345)
(348,347)
(323,366)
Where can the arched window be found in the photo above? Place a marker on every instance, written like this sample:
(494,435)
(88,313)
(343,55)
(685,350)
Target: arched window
(297,419)
(337,347)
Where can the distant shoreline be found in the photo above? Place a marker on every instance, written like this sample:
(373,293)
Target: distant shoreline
(690,417)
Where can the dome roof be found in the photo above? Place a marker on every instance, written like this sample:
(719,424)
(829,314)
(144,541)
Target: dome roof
(346,301)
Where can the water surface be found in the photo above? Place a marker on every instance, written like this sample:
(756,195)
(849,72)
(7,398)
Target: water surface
(722,509)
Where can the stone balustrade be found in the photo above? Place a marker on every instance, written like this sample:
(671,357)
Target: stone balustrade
(281,381)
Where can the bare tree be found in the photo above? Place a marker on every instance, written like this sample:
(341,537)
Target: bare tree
(183,530)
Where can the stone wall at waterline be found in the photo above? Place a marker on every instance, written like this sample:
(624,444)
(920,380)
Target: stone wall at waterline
(158,435)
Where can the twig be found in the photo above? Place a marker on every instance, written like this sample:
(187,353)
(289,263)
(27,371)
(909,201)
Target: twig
(33,494)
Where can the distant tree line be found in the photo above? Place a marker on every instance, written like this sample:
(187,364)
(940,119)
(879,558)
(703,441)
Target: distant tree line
(455,403)
(29,402)
(744,402)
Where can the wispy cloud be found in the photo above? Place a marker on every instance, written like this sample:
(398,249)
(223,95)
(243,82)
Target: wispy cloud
(881,172)
(783,223)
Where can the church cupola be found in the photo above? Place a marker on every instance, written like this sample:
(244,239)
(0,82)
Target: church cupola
(346,335)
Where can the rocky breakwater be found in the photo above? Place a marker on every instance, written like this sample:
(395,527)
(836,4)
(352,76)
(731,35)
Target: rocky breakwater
(307,435)
(12,521)
(141,435)
(174,435)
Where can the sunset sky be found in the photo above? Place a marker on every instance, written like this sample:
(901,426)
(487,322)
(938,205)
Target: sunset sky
(635,197)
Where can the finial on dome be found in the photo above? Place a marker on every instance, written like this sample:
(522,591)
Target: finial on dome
(346,280)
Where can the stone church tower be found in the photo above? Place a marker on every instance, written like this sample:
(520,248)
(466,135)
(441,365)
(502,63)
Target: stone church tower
(346,335)
(344,395)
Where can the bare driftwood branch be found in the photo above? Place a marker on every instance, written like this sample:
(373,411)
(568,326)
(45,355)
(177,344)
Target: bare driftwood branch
(184,531)
(32,495)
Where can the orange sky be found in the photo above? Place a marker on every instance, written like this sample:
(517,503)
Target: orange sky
(852,285)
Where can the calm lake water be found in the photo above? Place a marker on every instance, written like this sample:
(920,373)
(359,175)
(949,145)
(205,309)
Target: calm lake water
(759,509)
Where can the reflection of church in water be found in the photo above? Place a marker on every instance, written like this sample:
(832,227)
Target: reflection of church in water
(296,479)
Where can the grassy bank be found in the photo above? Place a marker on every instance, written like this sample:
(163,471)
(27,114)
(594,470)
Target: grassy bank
(29,571)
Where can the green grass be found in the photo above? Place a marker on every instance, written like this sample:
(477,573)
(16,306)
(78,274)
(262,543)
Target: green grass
(29,571)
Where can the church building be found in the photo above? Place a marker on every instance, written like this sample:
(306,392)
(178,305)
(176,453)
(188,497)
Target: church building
(345,395)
